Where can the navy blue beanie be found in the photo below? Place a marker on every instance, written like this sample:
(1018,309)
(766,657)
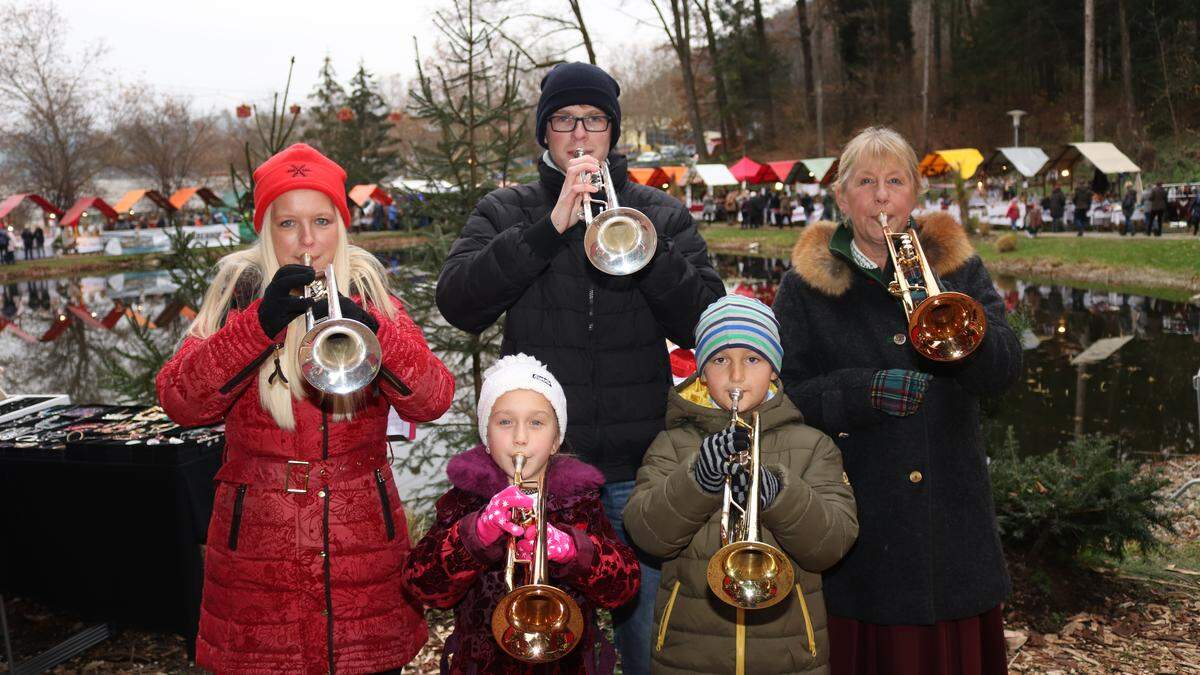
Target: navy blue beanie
(578,84)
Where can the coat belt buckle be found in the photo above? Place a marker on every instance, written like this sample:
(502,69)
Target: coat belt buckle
(287,477)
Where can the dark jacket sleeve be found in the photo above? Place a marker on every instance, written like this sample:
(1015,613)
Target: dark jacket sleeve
(680,282)
(605,569)
(199,383)
(996,363)
(444,565)
(832,402)
(814,517)
(414,380)
(492,263)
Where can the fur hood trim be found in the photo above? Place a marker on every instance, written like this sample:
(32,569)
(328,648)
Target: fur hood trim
(944,240)
(475,472)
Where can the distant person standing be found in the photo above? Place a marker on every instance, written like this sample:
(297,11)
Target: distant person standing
(1083,201)
(1058,204)
(27,241)
(1128,204)
(1193,213)
(39,242)
(1033,217)
(1158,210)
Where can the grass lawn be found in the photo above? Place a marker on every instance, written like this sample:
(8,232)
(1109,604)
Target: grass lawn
(1175,255)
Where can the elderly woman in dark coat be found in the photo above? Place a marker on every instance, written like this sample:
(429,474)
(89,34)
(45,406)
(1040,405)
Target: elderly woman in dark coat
(921,591)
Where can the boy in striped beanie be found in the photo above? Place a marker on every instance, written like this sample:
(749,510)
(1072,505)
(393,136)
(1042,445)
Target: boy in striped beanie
(806,505)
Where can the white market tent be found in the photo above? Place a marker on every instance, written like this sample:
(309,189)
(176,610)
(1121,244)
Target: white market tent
(1103,156)
(712,175)
(420,185)
(1026,161)
(820,168)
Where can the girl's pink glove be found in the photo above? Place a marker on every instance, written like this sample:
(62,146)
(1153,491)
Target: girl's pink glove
(496,517)
(560,546)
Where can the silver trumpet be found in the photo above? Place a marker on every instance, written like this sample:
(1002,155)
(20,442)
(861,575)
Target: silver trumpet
(620,240)
(337,355)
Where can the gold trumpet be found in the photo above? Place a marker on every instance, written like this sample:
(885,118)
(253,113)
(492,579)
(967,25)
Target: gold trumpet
(620,240)
(942,325)
(747,573)
(535,622)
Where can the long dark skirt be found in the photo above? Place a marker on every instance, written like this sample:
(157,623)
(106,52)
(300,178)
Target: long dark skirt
(971,646)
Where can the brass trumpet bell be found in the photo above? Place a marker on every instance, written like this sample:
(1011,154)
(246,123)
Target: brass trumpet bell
(750,574)
(947,326)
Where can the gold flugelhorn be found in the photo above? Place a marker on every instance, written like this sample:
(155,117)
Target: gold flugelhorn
(337,355)
(942,325)
(620,240)
(535,622)
(746,572)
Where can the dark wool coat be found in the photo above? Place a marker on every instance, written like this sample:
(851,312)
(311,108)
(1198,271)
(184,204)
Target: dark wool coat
(602,336)
(928,548)
(450,566)
(811,520)
(305,581)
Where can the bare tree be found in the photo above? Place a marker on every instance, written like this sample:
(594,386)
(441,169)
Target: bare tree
(679,34)
(1126,67)
(52,140)
(764,55)
(163,141)
(1089,70)
(581,25)
(728,132)
(806,51)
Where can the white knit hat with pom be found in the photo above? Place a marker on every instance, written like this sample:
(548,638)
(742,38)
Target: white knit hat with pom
(520,371)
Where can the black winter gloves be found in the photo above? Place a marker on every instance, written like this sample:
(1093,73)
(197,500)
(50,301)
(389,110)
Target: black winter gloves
(279,306)
(350,310)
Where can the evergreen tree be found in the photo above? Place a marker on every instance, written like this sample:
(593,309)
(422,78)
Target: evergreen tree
(370,154)
(323,131)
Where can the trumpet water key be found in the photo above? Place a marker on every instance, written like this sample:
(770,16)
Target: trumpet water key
(337,355)
(620,240)
(535,622)
(747,572)
(942,325)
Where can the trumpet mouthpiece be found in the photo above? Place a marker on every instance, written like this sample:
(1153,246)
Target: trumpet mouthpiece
(308,260)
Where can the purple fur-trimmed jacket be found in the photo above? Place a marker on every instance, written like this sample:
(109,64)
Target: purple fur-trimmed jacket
(450,566)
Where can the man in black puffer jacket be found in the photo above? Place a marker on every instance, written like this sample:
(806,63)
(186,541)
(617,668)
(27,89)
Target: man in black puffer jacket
(521,253)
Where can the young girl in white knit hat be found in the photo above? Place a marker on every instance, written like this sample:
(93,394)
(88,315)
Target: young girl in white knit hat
(460,562)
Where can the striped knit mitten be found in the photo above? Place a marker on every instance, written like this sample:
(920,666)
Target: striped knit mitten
(713,463)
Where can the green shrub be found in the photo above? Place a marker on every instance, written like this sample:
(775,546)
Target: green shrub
(1079,498)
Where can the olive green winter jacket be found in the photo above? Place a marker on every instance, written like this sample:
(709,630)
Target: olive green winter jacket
(812,520)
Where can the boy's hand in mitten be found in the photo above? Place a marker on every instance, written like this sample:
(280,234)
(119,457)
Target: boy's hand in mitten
(716,451)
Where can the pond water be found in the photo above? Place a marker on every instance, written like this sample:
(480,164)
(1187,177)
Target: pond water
(1143,393)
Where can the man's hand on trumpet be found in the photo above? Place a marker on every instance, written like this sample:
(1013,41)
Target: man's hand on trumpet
(570,198)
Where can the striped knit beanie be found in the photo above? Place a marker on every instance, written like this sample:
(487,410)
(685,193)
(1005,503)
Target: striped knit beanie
(738,321)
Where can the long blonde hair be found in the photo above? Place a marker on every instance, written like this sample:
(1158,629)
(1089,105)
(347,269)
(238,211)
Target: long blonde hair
(355,269)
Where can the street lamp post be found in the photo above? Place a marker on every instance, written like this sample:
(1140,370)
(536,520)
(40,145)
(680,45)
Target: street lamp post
(1016,115)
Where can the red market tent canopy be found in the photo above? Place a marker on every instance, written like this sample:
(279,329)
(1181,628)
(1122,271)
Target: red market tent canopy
(12,202)
(640,174)
(784,169)
(183,195)
(82,205)
(359,194)
(750,171)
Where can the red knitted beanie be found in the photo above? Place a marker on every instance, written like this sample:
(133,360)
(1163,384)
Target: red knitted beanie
(298,167)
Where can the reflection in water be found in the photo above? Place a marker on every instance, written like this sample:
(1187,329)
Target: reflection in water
(1142,393)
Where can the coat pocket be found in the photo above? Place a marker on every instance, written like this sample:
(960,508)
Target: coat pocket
(386,503)
(666,618)
(235,521)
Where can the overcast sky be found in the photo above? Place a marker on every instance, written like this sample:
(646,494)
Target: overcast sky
(222,52)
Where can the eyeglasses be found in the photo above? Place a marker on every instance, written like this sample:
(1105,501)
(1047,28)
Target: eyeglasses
(566,123)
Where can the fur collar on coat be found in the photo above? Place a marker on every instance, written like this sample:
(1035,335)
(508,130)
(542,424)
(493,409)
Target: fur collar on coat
(943,239)
(475,472)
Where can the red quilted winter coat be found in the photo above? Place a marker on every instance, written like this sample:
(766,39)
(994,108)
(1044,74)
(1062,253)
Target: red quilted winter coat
(308,535)
(450,566)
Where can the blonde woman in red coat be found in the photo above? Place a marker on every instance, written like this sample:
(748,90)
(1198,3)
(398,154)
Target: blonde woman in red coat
(308,535)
